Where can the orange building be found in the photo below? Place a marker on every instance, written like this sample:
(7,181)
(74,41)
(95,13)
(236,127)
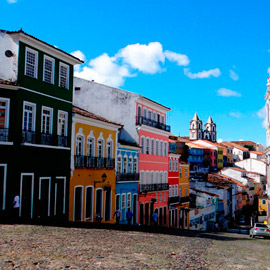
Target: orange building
(92,183)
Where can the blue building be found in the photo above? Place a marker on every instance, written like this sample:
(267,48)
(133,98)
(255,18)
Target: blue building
(195,156)
(127,179)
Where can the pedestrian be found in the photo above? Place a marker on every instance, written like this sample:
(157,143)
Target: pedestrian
(129,216)
(16,206)
(117,214)
(155,218)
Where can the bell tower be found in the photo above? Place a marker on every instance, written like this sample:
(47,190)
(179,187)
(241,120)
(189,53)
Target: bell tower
(195,128)
(210,131)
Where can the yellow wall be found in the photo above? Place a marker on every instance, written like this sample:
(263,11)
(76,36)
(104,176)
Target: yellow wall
(87,176)
(262,207)
(220,157)
(183,179)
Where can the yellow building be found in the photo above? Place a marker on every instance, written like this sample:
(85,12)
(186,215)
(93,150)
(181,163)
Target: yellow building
(184,195)
(219,157)
(263,205)
(92,183)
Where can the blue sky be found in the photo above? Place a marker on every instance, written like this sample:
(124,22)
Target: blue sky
(209,57)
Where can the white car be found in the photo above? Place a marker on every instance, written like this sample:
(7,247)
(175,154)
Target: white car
(260,229)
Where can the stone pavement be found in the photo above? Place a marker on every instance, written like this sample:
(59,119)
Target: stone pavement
(45,247)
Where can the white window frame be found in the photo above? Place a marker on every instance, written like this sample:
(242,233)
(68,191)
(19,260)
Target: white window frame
(135,164)
(55,194)
(130,164)
(92,203)
(147,146)
(128,200)
(152,152)
(125,164)
(26,103)
(7,100)
(51,119)
(27,49)
(101,214)
(66,122)
(142,145)
(46,57)
(123,200)
(100,139)
(157,147)
(82,187)
(4,186)
(109,142)
(91,137)
(119,161)
(80,135)
(165,149)
(32,192)
(49,192)
(67,79)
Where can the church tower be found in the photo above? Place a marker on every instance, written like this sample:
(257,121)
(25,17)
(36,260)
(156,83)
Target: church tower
(195,128)
(210,131)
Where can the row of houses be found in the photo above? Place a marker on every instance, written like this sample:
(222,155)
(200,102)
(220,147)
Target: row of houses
(78,150)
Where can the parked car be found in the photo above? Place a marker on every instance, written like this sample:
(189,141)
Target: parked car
(259,229)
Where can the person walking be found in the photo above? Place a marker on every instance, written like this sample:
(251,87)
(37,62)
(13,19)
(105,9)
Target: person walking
(117,214)
(129,216)
(155,218)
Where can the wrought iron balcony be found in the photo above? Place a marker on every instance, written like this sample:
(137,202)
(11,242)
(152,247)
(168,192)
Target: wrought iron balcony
(4,134)
(175,199)
(140,120)
(127,177)
(153,187)
(184,199)
(36,137)
(93,162)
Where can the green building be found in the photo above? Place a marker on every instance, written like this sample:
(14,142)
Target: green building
(36,89)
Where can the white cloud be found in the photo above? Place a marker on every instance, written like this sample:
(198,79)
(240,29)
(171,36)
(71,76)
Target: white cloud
(103,69)
(262,114)
(268,71)
(81,56)
(236,114)
(224,92)
(234,76)
(12,1)
(145,58)
(203,74)
(220,140)
(180,59)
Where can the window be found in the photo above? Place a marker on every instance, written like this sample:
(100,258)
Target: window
(160,196)
(152,146)
(147,178)
(161,177)
(170,164)
(109,149)
(4,113)
(144,113)
(172,191)
(165,177)
(100,148)
(147,146)
(119,164)
(123,201)
(176,190)
(130,164)
(46,120)
(154,116)
(142,178)
(263,201)
(129,200)
(185,191)
(149,115)
(173,163)
(157,144)
(162,119)
(139,111)
(165,149)
(125,165)
(79,145)
(142,145)
(64,75)
(62,123)
(31,63)
(165,196)
(176,165)
(48,69)
(157,173)
(88,203)
(135,164)
(161,148)
(186,174)
(90,147)
(180,191)
(29,112)
(152,178)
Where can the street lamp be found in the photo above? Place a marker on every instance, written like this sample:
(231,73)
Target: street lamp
(103,177)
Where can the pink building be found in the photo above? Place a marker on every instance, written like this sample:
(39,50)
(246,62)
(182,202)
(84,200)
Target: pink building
(153,161)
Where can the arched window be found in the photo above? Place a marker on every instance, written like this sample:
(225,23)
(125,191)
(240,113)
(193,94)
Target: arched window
(135,165)
(142,145)
(125,164)
(147,146)
(144,113)
(79,145)
(173,164)
(161,148)
(161,177)
(149,115)
(90,146)
(139,111)
(152,178)
(165,149)
(157,174)
(152,146)
(119,163)
(157,147)
(142,178)
(170,164)
(130,164)
(100,148)
(147,178)
(165,177)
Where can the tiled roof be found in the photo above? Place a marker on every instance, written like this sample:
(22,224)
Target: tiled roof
(257,152)
(237,169)
(194,145)
(22,32)
(244,142)
(208,193)
(239,147)
(92,115)
(6,82)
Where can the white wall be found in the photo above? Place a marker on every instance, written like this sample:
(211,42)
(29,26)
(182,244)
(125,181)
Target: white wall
(252,165)
(234,174)
(111,103)
(8,65)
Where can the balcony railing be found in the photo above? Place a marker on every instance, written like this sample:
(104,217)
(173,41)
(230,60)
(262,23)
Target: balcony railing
(140,120)
(127,177)
(153,187)
(36,137)
(184,199)
(93,162)
(4,134)
(174,199)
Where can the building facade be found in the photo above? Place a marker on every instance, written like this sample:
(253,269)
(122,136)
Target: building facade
(36,83)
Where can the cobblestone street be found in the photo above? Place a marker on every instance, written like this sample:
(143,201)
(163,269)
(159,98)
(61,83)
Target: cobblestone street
(41,247)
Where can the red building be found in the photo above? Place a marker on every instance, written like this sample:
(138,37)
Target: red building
(153,161)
